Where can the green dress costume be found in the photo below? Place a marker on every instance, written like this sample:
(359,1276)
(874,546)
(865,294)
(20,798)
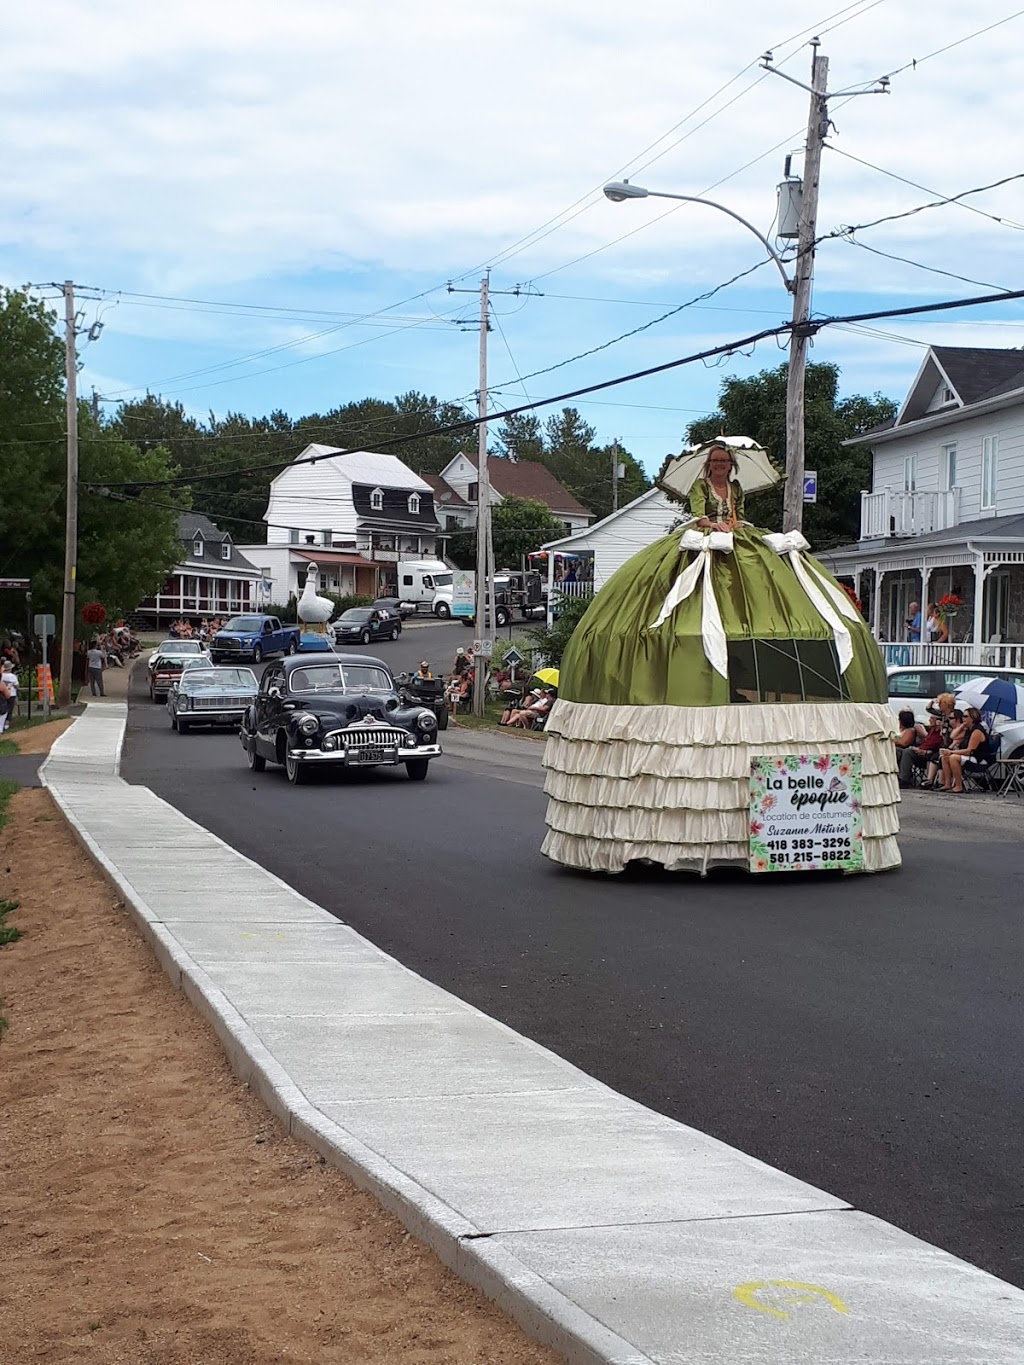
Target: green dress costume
(703,652)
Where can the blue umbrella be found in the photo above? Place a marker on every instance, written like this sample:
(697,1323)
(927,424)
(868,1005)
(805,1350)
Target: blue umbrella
(993,697)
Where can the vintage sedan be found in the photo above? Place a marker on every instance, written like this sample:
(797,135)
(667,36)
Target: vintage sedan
(211,696)
(345,713)
(167,663)
(361,625)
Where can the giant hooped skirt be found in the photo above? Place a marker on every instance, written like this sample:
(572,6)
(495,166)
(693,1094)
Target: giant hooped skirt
(671,784)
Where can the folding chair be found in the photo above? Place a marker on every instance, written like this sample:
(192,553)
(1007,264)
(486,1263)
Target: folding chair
(981,775)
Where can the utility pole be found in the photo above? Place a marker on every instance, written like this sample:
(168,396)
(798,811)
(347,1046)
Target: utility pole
(817,127)
(95,406)
(616,452)
(67,630)
(817,131)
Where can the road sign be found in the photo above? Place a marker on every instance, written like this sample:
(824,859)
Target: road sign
(513,658)
(810,485)
(23,583)
(486,649)
(44,625)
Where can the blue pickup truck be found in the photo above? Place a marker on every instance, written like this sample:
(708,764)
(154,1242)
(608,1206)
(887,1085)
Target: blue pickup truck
(253,637)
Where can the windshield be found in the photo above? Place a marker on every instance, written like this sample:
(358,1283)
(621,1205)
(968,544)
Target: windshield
(355,614)
(214,679)
(336,678)
(249,625)
(366,678)
(180,647)
(442,580)
(172,659)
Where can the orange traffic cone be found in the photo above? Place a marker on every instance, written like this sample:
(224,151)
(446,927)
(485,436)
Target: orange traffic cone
(44,683)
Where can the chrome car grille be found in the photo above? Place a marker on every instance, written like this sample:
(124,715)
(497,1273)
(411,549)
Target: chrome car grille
(375,736)
(207,703)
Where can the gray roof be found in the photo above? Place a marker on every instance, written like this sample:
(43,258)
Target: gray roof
(192,525)
(987,528)
(978,372)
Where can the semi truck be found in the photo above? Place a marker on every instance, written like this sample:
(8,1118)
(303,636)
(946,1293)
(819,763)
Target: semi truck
(427,584)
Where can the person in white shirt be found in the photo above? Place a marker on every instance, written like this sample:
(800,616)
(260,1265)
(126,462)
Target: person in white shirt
(97,662)
(8,693)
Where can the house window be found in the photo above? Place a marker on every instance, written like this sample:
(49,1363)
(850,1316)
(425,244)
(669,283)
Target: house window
(377,500)
(996,610)
(948,396)
(225,549)
(473,492)
(328,537)
(910,474)
(949,466)
(293,537)
(197,548)
(414,504)
(989,471)
(452,524)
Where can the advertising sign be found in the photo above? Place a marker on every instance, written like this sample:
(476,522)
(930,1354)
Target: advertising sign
(805,813)
(463,593)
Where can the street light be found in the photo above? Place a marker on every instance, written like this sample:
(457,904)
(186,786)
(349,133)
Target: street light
(620,190)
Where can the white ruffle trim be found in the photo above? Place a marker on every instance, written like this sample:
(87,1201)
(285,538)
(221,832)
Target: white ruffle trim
(670,785)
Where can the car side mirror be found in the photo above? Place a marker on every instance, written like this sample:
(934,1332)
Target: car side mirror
(274,692)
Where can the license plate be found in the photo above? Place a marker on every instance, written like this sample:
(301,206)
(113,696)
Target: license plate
(372,754)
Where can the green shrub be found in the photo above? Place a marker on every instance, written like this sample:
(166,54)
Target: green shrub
(569,613)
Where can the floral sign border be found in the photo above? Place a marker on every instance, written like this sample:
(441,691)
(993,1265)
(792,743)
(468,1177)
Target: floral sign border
(834,768)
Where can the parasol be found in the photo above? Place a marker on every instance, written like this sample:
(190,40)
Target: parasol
(756,471)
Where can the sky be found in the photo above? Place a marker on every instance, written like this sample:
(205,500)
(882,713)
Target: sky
(265,203)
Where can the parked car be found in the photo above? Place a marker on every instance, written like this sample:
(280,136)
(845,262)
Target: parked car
(362,625)
(194,663)
(339,713)
(913,688)
(165,667)
(395,606)
(211,696)
(253,637)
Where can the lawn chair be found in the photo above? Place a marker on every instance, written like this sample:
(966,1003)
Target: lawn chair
(981,775)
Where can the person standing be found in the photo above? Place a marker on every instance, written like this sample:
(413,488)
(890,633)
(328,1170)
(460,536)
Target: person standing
(914,623)
(8,694)
(96,661)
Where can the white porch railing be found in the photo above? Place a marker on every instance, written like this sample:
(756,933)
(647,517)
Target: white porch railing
(896,513)
(953,656)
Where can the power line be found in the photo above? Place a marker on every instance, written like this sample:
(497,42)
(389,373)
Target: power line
(934,270)
(915,62)
(920,208)
(727,348)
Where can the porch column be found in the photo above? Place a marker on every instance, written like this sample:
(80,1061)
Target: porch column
(979,600)
(876,612)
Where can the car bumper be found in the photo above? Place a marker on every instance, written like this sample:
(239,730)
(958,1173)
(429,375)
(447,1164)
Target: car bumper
(233,651)
(229,716)
(353,760)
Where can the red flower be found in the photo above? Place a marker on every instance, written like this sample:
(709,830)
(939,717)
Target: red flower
(94,613)
(756,827)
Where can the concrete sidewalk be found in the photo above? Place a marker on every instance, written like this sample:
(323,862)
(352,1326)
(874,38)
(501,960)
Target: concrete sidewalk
(610,1232)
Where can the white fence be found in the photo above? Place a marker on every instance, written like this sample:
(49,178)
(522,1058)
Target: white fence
(892,513)
(953,656)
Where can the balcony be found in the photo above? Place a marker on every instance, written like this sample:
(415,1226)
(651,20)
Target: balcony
(896,513)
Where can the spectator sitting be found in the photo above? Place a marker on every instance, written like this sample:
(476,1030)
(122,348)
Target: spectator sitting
(462,662)
(911,734)
(926,754)
(971,747)
(536,709)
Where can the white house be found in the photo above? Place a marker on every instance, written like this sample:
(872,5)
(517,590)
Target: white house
(354,513)
(514,479)
(213,578)
(945,514)
(608,543)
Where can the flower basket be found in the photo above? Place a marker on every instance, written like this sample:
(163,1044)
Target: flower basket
(94,613)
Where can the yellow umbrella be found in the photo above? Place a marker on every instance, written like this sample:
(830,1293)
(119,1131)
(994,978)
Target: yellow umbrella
(548,676)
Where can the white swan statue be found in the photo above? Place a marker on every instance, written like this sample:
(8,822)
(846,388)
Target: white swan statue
(314,609)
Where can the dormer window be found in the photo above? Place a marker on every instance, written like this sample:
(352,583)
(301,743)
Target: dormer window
(948,396)
(197,548)
(225,549)
(414,504)
(377,500)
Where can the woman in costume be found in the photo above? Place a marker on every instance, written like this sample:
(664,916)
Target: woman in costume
(708,649)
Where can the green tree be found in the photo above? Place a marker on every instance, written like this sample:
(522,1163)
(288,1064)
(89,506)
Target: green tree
(519,526)
(126,547)
(756,407)
(521,438)
(552,643)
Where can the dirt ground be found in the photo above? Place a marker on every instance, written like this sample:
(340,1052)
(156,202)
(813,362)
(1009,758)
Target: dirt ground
(151,1211)
(37,738)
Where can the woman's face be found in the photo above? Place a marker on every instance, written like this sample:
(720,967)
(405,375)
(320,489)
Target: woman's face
(720,464)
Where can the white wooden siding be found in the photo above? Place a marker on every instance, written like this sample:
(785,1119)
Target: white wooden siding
(313,497)
(619,537)
(1007,425)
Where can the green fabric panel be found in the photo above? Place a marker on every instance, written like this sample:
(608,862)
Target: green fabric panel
(614,657)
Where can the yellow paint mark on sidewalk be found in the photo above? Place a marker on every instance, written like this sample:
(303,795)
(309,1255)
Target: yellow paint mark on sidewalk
(752,1295)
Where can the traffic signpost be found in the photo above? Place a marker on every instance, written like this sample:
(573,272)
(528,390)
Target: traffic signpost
(810,485)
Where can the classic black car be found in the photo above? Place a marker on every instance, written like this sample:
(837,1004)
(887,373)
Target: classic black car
(361,625)
(211,696)
(343,712)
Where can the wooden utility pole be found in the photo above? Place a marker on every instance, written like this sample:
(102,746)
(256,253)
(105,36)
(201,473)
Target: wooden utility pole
(67,630)
(817,127)
(484,603)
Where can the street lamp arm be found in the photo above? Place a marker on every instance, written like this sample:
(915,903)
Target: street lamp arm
(617,193)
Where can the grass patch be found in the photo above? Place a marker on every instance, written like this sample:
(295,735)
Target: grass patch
(23,722)
(8,746)
(8,932)
(7,790)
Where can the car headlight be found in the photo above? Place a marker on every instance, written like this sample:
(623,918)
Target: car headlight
(184,702)
(427,721)
(330,742)
(308,725)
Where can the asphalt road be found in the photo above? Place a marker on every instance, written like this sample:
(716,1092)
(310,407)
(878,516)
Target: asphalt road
(862,1034)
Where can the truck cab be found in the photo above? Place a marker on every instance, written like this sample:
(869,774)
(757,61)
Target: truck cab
(253,636)
(427,584)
